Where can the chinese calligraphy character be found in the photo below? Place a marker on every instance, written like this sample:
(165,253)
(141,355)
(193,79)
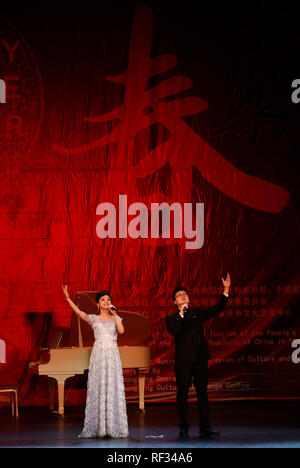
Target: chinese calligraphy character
(184,148)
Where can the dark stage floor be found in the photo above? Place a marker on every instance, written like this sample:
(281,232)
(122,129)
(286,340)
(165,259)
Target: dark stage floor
(251,424)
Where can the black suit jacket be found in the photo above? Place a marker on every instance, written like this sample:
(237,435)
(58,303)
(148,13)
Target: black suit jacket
(190,344)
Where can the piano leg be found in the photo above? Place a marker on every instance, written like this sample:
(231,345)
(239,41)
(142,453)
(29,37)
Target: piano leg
(61,393)
(141,380)
(51,393)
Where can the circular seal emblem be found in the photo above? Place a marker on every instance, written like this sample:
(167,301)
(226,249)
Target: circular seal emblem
(21,99)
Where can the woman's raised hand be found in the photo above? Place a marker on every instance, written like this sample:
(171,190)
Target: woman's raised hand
(65,290)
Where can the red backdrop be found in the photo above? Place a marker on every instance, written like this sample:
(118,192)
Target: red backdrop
(162,104)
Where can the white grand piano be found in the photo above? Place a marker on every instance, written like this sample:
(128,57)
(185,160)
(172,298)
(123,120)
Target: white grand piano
(61,363)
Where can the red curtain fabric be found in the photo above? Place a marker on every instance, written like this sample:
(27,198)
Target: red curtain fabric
(163,105)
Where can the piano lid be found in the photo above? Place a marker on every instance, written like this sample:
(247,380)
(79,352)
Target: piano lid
(137,327)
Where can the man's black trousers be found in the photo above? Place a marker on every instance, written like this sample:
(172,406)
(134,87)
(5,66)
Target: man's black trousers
(185,373)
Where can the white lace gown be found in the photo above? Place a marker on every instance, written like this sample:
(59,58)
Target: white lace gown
(105,411)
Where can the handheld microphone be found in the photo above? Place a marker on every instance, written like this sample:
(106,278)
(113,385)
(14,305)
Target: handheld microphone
(111,306)
(184,309)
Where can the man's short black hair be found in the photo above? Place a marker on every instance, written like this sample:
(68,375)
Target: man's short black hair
(179,288)
(99,294)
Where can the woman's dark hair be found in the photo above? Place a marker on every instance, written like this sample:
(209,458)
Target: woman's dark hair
(99,294)
(180,288)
